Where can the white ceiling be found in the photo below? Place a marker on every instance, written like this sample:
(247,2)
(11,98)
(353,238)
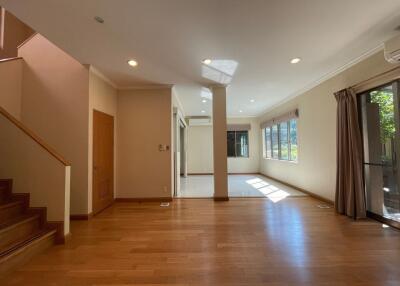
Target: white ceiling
(170,38)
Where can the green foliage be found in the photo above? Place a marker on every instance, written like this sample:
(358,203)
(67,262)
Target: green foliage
(386,112)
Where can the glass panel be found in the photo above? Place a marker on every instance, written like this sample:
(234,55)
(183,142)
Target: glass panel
(275,146)
(231,143)
(268,142)
(283,140)
(242,144)
(293,139)
(380,119)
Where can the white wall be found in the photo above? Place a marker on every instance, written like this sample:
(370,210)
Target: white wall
(144,121)
(11,86)
(54,105)
(200,149)
(315,170)
(102,97)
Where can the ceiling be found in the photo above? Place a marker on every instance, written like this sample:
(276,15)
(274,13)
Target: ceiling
(169,39)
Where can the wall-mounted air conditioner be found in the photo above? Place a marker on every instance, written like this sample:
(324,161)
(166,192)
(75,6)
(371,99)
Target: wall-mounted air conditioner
(200,121)
(392,50)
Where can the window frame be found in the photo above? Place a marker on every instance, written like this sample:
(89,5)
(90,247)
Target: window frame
(266,145)
(289,141)
(236,143)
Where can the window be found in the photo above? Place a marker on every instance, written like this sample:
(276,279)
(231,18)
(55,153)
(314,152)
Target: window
(284,140)
(238,143)
(293,139)
(280,141)
(275,141)
(267,140)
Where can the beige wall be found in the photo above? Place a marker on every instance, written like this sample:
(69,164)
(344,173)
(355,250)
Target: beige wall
(34,171)
(315,170)
(55,104)
(15,33)
(200,153)
(200,149)
(144,121)
(102,97)
(11,86)
(251,164)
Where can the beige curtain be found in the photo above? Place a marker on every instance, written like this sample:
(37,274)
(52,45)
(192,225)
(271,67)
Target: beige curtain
(350,194)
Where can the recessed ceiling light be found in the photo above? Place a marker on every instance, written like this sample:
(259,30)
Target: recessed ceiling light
(132,63)
(295,60)
(207,61)
(252,100)
(240,111)
(204,101)
(99,19)
(203,111)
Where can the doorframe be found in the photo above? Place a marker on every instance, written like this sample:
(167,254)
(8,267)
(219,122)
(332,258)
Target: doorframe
(178,122)
(396,101)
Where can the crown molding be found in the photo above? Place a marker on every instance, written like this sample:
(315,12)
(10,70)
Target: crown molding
(102,76)
(324,78)
(147,86)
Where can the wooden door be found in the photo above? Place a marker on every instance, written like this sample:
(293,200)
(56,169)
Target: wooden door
(103,161)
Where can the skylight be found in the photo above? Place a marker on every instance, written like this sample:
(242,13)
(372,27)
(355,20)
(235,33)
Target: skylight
(220,71)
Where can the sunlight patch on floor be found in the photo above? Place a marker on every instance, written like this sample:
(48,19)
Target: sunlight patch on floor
(270,191)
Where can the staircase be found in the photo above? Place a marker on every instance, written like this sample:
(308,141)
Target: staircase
(24,231)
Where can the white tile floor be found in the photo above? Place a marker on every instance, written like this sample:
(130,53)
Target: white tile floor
(202,186)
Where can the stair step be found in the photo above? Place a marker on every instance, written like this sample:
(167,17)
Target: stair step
(11,209)
(22,251)
(17,230)
(5,190)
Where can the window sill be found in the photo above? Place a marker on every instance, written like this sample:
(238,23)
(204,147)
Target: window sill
(278,160)
(238,157)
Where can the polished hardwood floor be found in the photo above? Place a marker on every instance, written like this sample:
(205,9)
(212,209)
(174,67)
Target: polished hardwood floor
(202,242)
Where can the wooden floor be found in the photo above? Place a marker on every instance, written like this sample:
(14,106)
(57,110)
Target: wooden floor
(201,242)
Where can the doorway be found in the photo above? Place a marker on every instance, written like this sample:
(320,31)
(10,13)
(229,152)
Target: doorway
(103,161)
(381,142)
(180,155)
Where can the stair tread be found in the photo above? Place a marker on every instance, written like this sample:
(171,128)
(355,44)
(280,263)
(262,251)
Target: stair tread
(10,203)
(21,244)
(17,220)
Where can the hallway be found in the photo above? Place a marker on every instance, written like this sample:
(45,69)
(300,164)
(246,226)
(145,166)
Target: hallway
(249,185)
(202,242)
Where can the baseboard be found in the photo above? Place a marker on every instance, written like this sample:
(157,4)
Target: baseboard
(143,200)
(315,196)
(59,227)
(80,216)
(221,199)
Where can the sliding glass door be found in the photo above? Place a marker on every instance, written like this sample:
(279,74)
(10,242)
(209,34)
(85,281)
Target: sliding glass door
(380,129)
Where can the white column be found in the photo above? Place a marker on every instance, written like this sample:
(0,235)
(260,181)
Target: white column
(220,144)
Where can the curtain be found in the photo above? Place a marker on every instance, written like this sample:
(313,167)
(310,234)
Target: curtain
(350,194)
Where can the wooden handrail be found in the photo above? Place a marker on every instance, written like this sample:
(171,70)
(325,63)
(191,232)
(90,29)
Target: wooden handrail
(35,138)
(10,59)
(27,40)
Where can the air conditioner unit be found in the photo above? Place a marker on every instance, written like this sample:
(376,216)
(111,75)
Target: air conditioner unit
(392,50)
(202,121)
